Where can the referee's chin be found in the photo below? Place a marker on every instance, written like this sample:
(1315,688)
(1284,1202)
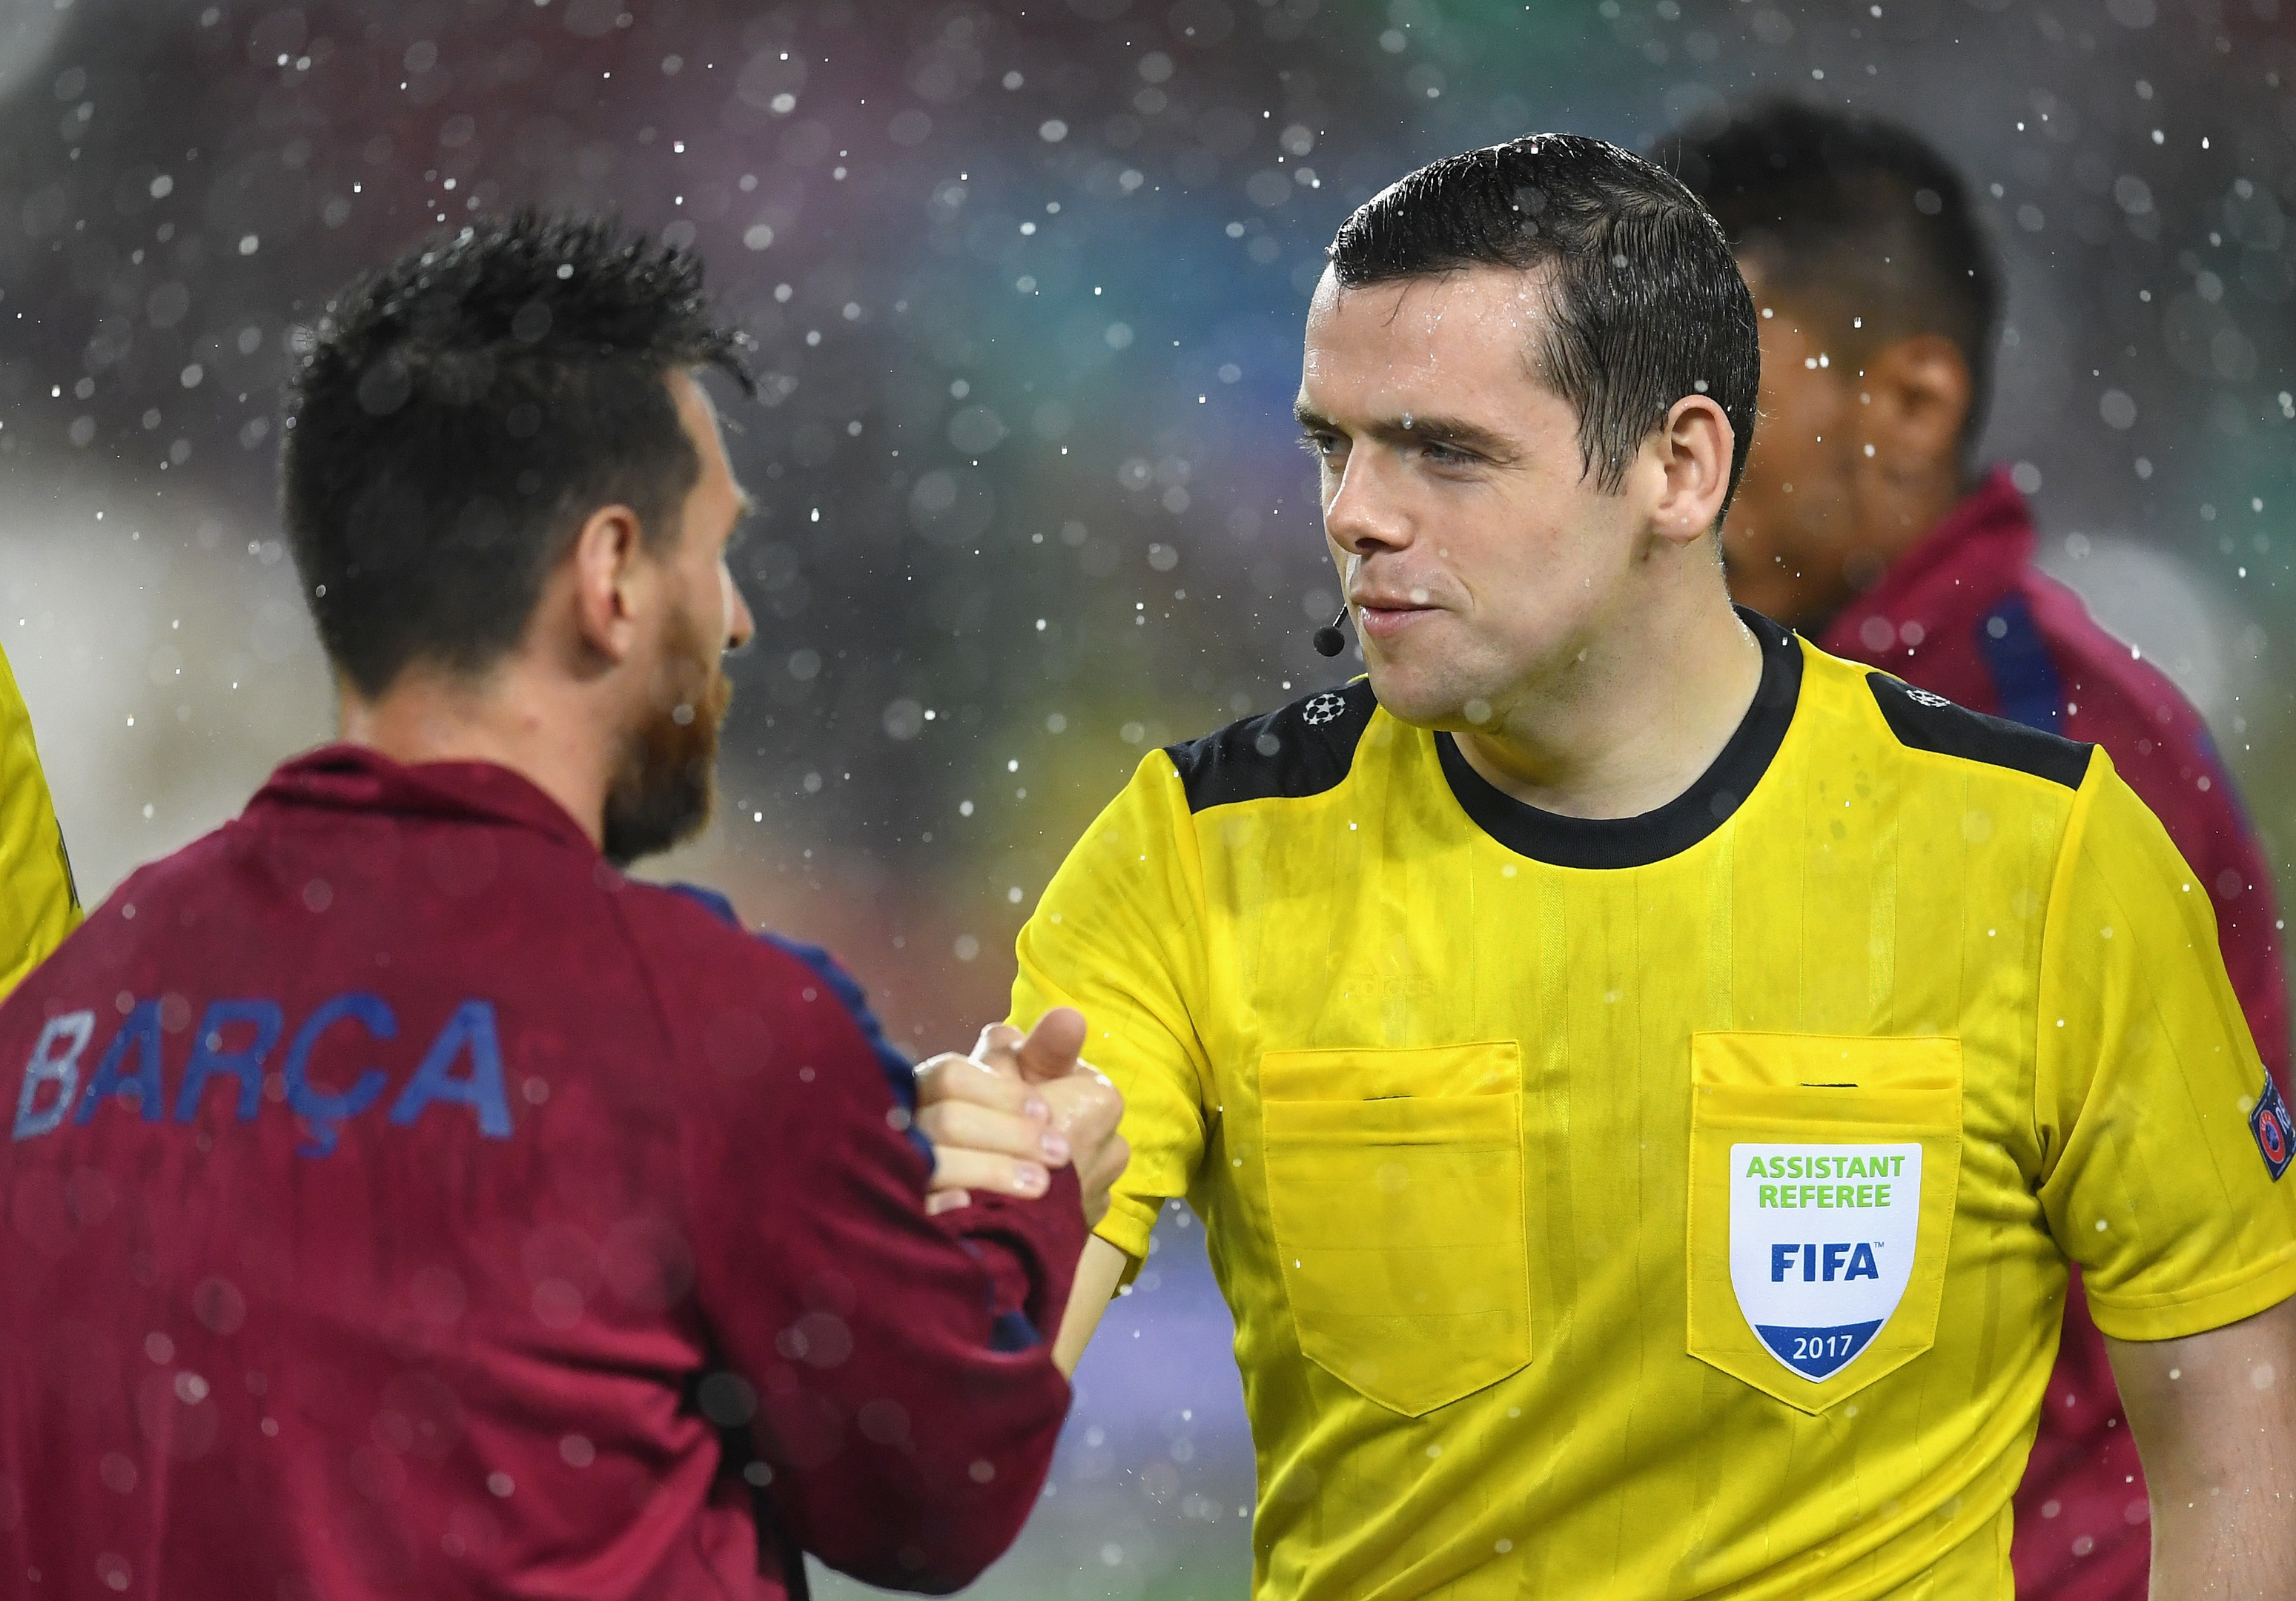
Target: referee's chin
(1409,697)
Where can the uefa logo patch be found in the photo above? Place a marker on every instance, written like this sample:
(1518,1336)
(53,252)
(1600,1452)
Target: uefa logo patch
(2275,1134)
(1821,1242)
(1323,708)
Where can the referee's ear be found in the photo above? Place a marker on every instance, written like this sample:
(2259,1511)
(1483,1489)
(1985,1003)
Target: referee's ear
(1688,460)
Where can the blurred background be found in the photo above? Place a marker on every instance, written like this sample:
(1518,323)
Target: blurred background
(1028,281)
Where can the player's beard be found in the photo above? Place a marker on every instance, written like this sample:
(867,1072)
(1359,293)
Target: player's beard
(662,794)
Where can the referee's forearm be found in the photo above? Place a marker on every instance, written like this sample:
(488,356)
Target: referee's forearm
(2215,1421)
(1098,1273)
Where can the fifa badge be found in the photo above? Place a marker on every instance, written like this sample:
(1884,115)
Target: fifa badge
(1821,1241)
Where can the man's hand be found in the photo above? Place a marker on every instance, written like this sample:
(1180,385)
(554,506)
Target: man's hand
(1086,1107)
(1017,1106)
(990,1132)
(2215,1421)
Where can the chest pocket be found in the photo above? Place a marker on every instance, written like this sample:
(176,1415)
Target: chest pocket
(1395,1189)
(1822,1172)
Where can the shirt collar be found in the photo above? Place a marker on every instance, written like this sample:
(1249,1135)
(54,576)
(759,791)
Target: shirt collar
(1624,842)
(355,778)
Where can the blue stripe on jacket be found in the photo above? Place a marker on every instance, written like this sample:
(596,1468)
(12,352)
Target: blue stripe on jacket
(2024,678)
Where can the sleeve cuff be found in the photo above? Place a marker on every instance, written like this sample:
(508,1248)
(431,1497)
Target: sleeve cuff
(2257,1288)
(1030,1248)
(1129,1223)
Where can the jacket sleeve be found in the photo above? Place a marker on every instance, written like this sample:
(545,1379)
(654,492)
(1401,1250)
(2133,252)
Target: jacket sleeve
(905,1418)
(1023,1246)
(39,903)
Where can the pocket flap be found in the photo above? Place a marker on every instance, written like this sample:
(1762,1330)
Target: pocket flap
(1826,1062)
(1395,1191)
(1493,1067)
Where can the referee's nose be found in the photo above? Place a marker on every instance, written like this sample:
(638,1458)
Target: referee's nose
(1364,514)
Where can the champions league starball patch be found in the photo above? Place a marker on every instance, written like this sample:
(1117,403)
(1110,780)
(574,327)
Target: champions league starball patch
(1821,1242)
(2275,1134)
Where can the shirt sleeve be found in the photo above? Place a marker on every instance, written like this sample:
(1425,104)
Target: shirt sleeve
(39,903)
(1118,935)
(904,1432)
(2195,796)
(2146,1078)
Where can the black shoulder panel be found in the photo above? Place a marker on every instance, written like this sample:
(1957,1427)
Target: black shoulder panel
(1295,750)
(1931,723)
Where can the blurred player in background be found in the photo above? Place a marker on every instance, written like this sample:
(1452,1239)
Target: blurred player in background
(39,904)
(402,1201)
(1644,1077)
(1861,524)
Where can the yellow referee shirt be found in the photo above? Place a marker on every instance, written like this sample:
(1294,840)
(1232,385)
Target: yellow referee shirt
(38,903)
(1674,1205)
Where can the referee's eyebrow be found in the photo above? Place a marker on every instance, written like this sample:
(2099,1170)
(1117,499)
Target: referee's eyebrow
(1417,428)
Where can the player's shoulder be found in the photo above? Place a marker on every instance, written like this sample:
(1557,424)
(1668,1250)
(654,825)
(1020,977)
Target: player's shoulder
(1299,749)
(756,995)
(2118,692)
(1908,719)
(2083,649)
(699,943)
(149,903)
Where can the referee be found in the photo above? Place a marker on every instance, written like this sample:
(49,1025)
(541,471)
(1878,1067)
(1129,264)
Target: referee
(1644,1078)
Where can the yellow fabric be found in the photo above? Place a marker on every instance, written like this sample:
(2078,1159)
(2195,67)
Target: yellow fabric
(38,903)
(1459,1123)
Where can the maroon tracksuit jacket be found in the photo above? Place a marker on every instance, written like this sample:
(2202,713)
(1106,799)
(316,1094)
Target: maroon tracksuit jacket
(402,1203)
(1965,614)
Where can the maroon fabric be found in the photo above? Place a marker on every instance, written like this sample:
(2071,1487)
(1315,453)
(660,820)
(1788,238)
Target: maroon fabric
(2081,1529)
(442,1299)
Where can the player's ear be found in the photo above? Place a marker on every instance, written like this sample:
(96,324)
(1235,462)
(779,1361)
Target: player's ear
(1915,398)
(1692,448)
(608,572)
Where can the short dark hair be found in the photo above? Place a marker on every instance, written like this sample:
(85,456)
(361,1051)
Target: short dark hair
(463,409)
(1646,304)
(1862,220)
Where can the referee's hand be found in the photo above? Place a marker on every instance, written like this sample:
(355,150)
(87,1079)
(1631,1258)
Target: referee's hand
(1085,1106)
(1002,1117)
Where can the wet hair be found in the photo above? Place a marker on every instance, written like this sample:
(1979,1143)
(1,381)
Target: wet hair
(463,411)
(1856,219)
(1646,305)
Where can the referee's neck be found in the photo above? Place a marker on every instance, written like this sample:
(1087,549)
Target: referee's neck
(1630,721)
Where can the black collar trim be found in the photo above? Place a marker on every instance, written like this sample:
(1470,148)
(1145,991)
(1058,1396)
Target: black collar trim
(1615,842)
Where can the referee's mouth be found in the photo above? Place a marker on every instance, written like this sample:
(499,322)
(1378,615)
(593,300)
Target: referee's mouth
(1385,618)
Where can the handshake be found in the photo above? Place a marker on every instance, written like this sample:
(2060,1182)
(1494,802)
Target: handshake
(1002,1118)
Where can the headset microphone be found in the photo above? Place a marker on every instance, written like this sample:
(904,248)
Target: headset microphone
(1328,640)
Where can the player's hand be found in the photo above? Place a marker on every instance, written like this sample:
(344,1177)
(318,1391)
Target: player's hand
(1084,1106)
(991,1132)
